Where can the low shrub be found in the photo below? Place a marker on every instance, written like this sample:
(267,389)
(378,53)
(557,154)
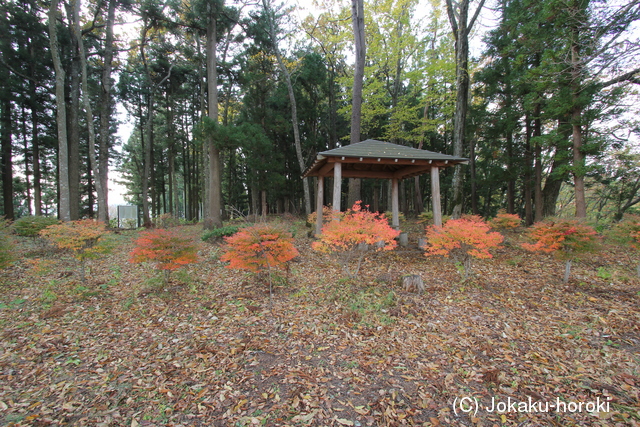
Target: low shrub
(7,245)
(565,237)
(31,226)
(220,233)
(259,248)
(84,238)
(354,236)
(465,238)
(166,248)
(505,221)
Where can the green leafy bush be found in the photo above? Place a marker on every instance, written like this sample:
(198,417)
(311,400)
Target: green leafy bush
(626,233)
(221,232)
(31,226)
(505,221)
(6,244)
(167,221)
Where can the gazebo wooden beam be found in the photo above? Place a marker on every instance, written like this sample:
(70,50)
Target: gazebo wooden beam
(408,170)
(347,173)
(324,170)
(435,196)
(337,186)
(395,206)
(319,205)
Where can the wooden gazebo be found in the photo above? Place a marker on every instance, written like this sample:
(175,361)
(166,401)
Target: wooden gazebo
(383,160)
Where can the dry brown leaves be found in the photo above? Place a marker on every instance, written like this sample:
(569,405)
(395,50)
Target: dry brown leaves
(208,350)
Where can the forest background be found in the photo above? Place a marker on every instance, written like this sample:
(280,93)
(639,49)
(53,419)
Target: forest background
(551,128)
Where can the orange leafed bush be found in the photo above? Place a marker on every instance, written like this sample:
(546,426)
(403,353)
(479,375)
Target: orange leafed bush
(259,248)
(356,227)
(166,248)
(505,221)
(83,238)
(357,230)
(567,235)
(470,236)
(78,236)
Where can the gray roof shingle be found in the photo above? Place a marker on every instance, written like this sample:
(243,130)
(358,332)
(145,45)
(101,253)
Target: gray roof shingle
(372,148)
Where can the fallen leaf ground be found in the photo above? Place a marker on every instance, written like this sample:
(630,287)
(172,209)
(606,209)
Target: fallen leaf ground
(210,349)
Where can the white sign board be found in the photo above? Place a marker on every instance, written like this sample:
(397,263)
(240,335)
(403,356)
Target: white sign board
(128,217)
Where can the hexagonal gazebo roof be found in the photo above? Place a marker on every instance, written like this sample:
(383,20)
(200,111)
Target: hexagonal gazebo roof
(378,159)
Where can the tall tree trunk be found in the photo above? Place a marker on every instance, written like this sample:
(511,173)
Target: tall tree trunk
(73,118)
(576,125)
(27,158)
(35,147)
(61,116)
(357,19)
(213,217)
(7,162)
(461,28)
(105,111)
(558,173)
(472,171)
(538,199)
(527,173)
(102,208)
(292,100)
(146,142)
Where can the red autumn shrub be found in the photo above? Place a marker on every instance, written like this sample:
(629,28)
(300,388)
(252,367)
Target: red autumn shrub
(259,248)
(166,248)
(568,236)
(464,238)
(354,234)
(505,221)
(565,237)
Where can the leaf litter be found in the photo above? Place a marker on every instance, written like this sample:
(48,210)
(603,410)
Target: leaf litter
(124,349)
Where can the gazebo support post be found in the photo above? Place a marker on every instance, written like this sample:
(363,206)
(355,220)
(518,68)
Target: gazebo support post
(435,196)
(337,186)
(319,205)
(395,221)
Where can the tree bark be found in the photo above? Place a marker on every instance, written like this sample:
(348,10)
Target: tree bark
(61,116)
(576,125)
(357,19)
(461,27)
(102,208)
(7,162)
(213,216)
(35,148)
(538,200)
(73,118)
(105,110)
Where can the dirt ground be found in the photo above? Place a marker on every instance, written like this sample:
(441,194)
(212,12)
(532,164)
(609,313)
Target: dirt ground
(513,345)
